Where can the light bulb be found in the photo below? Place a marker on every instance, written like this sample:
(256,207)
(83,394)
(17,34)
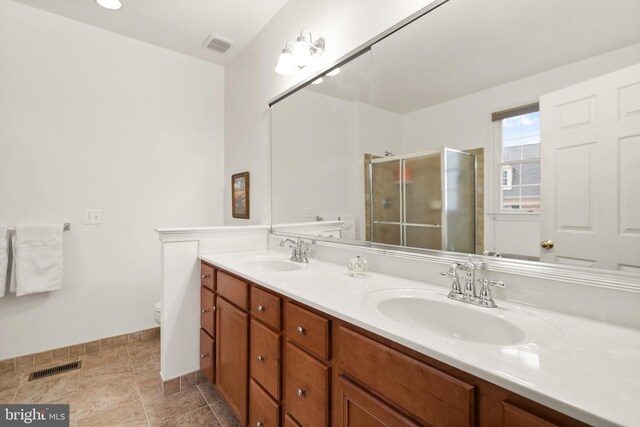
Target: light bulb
(301,52)
(317,81)
(285,65)
(110,4)
(333,72)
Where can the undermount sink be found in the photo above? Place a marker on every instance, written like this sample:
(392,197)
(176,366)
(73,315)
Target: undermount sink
(272,265)
(433,312)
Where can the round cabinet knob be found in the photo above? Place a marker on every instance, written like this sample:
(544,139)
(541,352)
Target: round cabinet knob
(259,424)
(260,358)
(547,244)
(213,308)
(300,392)
(204,276)
(261,308)
(204,310)
(300,330)
(204,355)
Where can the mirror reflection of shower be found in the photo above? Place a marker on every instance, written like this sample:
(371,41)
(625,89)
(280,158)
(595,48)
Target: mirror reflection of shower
(422,200)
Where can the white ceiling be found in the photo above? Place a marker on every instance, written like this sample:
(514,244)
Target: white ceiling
(466,46)
(180,25)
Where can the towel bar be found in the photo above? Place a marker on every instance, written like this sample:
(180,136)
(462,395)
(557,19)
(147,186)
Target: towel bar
(66,227)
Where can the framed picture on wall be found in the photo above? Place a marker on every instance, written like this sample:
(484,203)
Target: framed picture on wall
(240,195)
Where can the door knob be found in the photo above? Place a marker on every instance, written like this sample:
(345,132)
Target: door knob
(547,244)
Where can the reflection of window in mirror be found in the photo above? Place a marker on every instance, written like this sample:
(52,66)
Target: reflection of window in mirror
(519,163)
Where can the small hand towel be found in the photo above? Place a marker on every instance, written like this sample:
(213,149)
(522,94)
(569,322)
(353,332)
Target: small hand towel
(37,258)
(4,258)
(349,227)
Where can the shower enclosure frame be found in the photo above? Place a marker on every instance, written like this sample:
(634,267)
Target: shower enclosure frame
(403,200)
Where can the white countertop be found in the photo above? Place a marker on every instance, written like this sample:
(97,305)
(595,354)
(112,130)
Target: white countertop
(586,369)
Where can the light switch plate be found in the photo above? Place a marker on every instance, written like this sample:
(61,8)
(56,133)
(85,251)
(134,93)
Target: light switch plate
(93,216)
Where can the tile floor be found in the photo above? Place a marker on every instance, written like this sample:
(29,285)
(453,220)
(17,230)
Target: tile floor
(119,386)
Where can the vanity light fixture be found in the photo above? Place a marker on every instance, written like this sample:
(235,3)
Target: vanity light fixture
(317,81)
(304,51)
(333,72)
(110,4)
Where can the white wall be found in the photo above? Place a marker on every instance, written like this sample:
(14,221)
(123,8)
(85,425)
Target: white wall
(465,123)
(91,119)
(250,80)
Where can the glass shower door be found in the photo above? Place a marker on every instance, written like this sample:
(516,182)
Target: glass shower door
(422,184)
(386,206)
(459,219)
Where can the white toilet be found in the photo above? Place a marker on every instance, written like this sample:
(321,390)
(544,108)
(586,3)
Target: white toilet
(157,312)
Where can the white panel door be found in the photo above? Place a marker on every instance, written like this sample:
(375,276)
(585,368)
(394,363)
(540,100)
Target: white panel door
(590,172)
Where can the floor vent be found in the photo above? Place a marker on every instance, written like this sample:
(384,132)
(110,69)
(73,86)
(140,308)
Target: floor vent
(54,371)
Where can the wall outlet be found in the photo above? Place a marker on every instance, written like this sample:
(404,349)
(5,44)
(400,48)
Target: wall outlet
(306,213)
(93,216)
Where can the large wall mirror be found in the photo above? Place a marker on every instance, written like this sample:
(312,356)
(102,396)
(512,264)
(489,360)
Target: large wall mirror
(508,128)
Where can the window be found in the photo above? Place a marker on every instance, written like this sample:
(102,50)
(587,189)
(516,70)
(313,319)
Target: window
(520,162)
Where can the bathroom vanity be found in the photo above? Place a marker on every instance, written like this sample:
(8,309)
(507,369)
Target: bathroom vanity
(306,345)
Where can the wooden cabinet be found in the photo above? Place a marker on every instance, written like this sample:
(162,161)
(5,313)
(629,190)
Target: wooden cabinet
(355,407)
(444,400)
(517,417)
(307,329)
(265,360)
(278,362)
(207,356)
(232,336)
(306,387)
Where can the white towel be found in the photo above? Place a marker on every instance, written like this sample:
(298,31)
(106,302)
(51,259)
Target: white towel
(37,259)
(4,258)
(349,227)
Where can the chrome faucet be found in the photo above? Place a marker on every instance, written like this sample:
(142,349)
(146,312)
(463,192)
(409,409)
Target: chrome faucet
(468,294)
(299,253)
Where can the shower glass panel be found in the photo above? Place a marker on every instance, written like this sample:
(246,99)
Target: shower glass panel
(386,206)
(422,183)
(459,201)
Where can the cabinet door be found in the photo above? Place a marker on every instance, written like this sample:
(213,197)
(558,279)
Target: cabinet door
(518,417)
(206,356)
(232,356)
(357,408)
(207,308)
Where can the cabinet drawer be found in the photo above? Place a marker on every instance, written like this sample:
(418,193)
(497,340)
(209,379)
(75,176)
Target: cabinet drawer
(207,310)
(206,276)
(356,407)
(234,290)
(265,358)
(306,387)
(206,356)
(266,307)
(263,410)
(517,417)
(307,329)
(444,400)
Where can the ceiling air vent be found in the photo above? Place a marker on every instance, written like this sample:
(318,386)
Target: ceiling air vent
(217,43)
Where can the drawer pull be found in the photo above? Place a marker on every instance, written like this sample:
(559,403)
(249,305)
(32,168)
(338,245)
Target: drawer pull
(259,424)
(300,392)
(261,308)
(204,355)
(204,310)
(206,276)
(300,330)
(260,358)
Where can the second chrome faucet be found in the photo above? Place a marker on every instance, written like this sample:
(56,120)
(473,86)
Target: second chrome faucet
(299,253)
(468,293)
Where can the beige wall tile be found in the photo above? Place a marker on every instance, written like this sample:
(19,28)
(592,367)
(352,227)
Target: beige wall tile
(121,340)
(106,343)
(76,350)
(60,353)
(91,346)
(135,336)
(170,386)
(42,358)
(7,365)
(148,334)
(24,361)
(187,381)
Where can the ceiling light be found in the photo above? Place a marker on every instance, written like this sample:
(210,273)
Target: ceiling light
(110,4)
(317,81)
(286,66)
(333,72)
(304,51)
